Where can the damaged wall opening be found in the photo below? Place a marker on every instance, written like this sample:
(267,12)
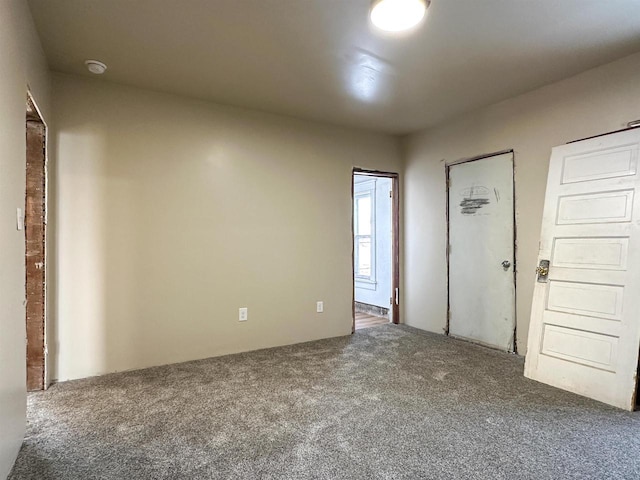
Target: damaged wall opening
(35,254)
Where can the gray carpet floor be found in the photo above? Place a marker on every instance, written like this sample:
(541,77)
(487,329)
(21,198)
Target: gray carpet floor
(389,402)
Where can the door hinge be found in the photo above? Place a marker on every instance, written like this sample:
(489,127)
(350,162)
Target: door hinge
(390,300)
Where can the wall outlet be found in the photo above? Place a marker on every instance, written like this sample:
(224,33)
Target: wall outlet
(243,314)
(320,307)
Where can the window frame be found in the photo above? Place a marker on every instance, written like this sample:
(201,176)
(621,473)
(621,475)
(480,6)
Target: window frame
(363,190)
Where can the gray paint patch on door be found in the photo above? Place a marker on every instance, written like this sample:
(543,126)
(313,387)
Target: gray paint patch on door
(475,198)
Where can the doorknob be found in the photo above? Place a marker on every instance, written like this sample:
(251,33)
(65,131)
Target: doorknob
(506,264)
(543,271)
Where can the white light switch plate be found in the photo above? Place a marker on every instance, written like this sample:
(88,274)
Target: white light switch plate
(320,307)
(243,314)
(19,219)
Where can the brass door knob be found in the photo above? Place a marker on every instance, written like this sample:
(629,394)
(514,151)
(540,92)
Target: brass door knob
(542,271)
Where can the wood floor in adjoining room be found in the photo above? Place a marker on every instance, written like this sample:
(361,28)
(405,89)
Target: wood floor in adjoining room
(364,320)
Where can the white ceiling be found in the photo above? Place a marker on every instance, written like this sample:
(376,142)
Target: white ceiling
(320,59)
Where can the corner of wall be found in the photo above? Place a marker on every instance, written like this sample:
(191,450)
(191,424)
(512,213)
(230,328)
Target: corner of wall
(24,66)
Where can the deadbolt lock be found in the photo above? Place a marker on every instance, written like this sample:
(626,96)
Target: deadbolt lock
(543,271)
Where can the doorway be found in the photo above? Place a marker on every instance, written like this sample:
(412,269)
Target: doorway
(481,251)
(35,238)
(375,248)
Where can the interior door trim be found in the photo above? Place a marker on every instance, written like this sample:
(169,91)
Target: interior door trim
(395,249)
(478,157)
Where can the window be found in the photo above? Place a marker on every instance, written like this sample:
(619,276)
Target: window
(364,233)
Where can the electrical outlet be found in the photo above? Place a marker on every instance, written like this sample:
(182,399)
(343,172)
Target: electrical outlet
(243,314)
(320,307)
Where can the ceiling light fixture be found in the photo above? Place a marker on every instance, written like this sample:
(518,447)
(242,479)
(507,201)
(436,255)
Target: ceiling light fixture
(398,15)
(95,67)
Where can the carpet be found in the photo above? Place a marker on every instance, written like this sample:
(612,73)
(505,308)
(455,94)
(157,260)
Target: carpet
(388,402)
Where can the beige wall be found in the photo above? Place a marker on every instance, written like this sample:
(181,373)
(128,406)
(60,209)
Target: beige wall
(594,102)
(173,213)
(21,63)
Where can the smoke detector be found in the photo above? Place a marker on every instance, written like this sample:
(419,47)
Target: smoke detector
(95,67)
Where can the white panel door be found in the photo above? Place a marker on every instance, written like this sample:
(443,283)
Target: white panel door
(481,251)
(584,333)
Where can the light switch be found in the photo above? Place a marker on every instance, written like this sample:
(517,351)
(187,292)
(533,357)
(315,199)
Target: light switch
(19,219)
(320,307)
(243,314)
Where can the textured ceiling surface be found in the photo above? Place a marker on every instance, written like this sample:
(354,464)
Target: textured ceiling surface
(322,60)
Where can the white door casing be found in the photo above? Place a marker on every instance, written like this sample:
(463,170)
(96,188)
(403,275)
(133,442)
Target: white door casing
(481,238)
(584,333)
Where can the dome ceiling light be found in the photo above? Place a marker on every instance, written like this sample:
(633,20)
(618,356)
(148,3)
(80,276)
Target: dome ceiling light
(398,15)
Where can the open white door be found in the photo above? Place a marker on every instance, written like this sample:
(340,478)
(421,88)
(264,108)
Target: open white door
(481,251)
(584,333)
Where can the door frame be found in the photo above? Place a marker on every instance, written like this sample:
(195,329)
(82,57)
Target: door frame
(395,243)
(34,115)
(447,167)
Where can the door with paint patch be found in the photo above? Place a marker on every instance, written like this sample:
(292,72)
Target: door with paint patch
(481,251)
(584,333)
